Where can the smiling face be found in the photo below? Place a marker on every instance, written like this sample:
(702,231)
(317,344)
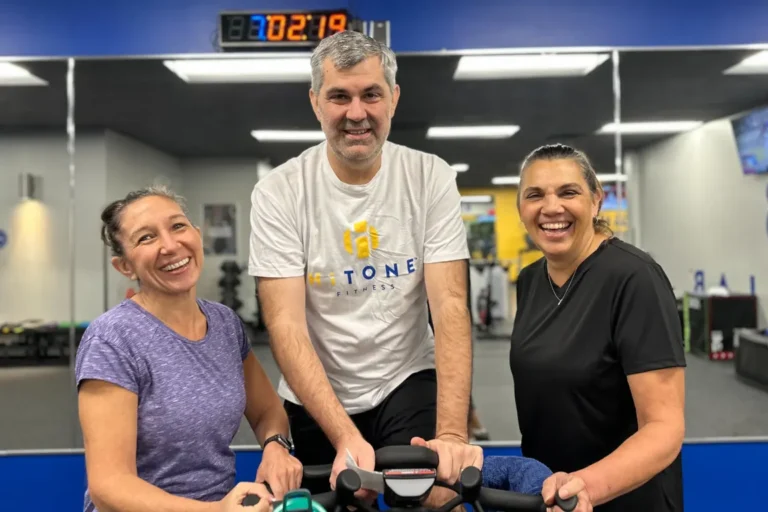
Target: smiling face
(161,248)
(557,207)
(355,108)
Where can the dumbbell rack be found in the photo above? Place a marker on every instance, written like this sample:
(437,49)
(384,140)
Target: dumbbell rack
(229,282)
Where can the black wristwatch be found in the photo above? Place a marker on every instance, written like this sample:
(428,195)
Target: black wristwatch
(281,439)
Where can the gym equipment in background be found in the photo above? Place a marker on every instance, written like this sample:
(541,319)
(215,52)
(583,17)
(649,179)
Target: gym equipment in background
(229,283)
(491,300)
(751,348)
(709,322)
(230,296)
(35,342)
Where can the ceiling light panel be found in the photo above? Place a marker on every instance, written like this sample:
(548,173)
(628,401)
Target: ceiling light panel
(14,75)
(602,178)
(651,127)
(494,67)
(288,135)
(476,199)
(755,64)
(255,70)
(472,132)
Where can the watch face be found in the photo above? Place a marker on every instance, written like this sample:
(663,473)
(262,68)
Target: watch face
(284,442)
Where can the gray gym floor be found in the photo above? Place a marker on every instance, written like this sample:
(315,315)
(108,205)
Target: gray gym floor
(38,408)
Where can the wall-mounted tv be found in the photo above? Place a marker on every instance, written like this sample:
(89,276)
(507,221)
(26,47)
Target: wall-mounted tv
(751,131)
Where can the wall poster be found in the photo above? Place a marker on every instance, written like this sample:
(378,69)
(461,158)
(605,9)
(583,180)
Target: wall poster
(220,229)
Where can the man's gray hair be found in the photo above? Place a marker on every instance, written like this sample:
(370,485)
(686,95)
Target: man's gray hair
(346,50)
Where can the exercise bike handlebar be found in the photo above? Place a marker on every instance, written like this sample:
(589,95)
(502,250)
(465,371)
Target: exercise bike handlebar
(317,472)
(469,488)
(489,499)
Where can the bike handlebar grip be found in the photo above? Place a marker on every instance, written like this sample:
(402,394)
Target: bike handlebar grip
(327,500)
(566,505)
(497,499)
(406,457)
(251,500)
(316,472)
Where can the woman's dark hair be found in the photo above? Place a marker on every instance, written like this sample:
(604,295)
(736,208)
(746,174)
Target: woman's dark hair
(111,215)
(563,152)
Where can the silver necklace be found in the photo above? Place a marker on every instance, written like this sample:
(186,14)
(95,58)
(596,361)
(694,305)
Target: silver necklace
(570,279)
(552,287)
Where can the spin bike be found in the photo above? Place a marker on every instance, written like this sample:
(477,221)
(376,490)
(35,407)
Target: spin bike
(404,476)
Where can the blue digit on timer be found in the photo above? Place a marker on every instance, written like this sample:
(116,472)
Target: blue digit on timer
(262,21)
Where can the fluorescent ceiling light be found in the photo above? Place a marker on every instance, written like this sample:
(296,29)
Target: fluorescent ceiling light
(11,74)
(472,132)
(476,199)
(515,180)
(460,167)
(506,180)
(651,127)
(288,135)
(287,69)
(755,64)
(489,67)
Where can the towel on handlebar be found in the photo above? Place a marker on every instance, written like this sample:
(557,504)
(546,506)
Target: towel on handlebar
(517,474)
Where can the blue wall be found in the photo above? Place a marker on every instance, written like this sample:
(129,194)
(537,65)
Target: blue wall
(145,27)
(718,477)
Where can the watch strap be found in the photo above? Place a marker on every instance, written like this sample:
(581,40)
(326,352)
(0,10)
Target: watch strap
(281,440)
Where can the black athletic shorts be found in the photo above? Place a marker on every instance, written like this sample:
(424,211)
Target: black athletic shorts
(409,411)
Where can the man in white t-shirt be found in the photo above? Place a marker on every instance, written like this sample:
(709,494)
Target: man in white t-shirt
(352,241)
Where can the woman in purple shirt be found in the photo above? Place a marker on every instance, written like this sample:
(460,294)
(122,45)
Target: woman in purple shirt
(164,378)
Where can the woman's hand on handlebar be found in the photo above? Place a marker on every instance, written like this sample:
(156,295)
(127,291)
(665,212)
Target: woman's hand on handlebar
(279,469)
(454,456)
(232,502)
(566,485)
(365,458)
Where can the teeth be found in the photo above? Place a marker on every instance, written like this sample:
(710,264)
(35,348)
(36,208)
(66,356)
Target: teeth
(174,266)
(357,132)
(555,225)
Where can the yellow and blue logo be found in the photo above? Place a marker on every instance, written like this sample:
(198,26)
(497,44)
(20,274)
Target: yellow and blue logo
(363,244)
(360,240)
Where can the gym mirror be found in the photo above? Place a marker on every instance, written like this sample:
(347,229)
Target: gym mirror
(204,126)
(696,152)
(37,300)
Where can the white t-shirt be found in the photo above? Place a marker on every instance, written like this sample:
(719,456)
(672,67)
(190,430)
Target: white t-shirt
(362,249)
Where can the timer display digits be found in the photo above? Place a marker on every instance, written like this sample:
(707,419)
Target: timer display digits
(296,28)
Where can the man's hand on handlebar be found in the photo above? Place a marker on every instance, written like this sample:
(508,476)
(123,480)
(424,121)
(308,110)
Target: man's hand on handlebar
(566,486)
(364,456)
(454,456)
(232,502)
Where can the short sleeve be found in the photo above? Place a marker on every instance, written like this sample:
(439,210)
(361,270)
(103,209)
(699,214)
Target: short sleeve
(276,249)
(445,237)
(105,360)
(647,329)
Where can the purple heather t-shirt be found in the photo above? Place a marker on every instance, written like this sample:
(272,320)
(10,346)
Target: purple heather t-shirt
(191,394)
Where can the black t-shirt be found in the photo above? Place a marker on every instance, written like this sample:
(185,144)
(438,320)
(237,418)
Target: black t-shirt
(570,363)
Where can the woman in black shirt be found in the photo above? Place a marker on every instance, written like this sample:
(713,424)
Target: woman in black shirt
(597,352)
